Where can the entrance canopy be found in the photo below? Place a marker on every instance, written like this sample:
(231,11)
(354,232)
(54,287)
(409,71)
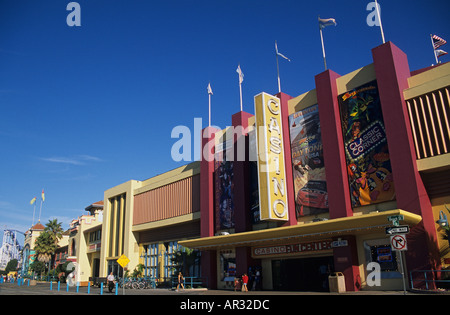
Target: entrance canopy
(362,224)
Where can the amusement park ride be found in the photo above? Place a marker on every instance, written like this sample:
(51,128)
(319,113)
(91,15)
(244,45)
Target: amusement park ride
(10,247)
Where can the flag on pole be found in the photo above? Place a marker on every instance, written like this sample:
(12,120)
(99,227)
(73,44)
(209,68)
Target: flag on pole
(43,195)
(209,89)
(33,201)
(322,24)
(326,22)
(241,79)
(440,52)
(241,74)
(280,54)
(438,41)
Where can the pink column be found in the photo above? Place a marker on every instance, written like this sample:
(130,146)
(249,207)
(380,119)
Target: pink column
(209,260)
(392,72)
(241,174)
(284,98)
(333,145)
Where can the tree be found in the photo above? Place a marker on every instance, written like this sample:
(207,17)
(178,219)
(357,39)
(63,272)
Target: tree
(37,266)
(11,266)
(47,242)
(184,259)
(53,227)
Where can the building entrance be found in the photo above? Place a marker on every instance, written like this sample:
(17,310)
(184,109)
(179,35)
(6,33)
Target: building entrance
(304,274)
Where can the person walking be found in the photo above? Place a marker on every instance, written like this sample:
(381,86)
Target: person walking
(244,282)
(110,280)
(180,281)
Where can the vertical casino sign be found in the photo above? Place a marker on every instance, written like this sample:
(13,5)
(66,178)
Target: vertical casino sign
(271,167)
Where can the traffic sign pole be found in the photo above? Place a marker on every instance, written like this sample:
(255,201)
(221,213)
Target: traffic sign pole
(403,272)
(399,244)
(123,261)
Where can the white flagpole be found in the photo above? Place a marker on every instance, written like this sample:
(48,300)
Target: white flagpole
(323,49)
(379,20)
(278,68)
(434,50)
(240,91)
(34,211)
(209,107)
(209,120)
(40,209)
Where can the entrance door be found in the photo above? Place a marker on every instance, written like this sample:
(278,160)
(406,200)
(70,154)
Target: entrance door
(96,267)
(305,274)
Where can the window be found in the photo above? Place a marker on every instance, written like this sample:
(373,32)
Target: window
(151,260)
(116,225)
(380,251)
(95,236)
(169,265)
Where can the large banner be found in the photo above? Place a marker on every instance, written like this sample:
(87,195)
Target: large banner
(368,164)
(310,185)
(224,191)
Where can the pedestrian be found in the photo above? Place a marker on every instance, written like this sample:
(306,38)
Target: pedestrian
(257,280)
(180,281)
(237,284)
(244,282)
(110,280)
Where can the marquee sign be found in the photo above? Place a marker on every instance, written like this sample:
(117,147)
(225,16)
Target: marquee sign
(273,202)
(292,248)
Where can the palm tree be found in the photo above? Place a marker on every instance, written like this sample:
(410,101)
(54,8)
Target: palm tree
(47,242)
(53,227)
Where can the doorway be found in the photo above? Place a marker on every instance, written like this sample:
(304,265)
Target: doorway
(302,274)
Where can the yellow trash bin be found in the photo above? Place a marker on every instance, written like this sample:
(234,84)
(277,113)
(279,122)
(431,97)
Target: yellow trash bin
(336,282)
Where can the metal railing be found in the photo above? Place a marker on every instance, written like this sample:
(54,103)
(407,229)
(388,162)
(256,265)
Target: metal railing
(191,282)
(426,278)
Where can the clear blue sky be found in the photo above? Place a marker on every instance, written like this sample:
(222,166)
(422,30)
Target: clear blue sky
(84,109)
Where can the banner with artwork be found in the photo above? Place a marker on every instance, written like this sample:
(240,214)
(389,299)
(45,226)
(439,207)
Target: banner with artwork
(224,190)
(310,186)
(366,150)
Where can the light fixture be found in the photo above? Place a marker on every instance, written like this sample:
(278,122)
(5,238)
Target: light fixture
(443,222)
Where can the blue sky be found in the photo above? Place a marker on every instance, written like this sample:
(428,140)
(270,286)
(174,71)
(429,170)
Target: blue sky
(86,108)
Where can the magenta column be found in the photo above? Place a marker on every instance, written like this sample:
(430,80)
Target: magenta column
(333,145)
(242,221)
(392,72)
(284,98)
(241,174)
(345,258)
(209,258)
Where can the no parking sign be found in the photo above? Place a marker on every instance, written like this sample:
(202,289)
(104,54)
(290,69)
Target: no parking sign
(398,242)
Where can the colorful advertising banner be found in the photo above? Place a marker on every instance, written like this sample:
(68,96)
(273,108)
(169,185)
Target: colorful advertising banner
(310,185)
(224,195)
(273,203)
(368,164)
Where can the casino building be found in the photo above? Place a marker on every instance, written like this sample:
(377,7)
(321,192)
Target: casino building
(306,187)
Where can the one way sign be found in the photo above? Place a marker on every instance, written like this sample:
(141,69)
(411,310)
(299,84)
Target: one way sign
(401,229)
(398,242)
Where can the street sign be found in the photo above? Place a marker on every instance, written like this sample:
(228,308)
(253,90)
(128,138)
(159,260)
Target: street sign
(395,219)
(401,229)
(398,242)
(123,261)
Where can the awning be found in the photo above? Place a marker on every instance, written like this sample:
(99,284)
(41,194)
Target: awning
(361,224)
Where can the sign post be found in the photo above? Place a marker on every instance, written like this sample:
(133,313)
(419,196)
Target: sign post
(399,244)
(123,261)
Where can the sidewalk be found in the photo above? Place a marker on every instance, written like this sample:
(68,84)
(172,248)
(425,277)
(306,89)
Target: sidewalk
(44,289)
